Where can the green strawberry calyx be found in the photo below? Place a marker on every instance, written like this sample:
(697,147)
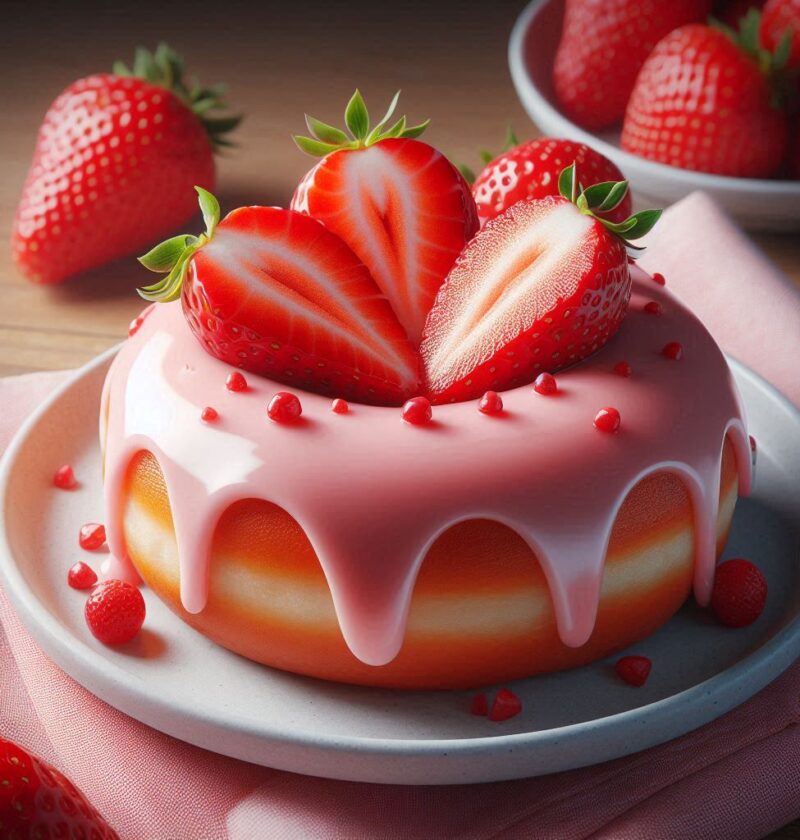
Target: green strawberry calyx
(603,197)
(172,256)
(165,68)
(327,138)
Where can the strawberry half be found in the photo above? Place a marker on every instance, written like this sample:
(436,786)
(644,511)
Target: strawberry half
(542,286)
(276,293)
(402,207)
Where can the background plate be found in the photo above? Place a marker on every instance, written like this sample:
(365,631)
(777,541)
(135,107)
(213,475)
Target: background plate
(763,204)
(174,679)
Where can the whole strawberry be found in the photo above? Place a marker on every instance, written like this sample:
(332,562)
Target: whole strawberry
(781,19)
(38,801)
(531,170)
(603,45)
(703,102)
(115,162)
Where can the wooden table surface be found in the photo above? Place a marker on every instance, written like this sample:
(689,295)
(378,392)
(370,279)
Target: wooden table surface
(279,62)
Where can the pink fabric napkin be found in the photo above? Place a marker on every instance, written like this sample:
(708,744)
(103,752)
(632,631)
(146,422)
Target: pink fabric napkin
(738,777)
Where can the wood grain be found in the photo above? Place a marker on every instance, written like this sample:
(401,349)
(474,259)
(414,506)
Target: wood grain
(279,60)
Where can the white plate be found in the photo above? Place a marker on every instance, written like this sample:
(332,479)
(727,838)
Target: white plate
(179,682)
(761,204)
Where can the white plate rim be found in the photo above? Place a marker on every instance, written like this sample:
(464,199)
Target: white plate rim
(710,698)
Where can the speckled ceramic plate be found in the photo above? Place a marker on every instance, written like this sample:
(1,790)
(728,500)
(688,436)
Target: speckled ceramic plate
(174,679)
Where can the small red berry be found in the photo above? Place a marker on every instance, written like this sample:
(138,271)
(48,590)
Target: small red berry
(92,536)
(417,411)
(622,369)
(81,576)
(672,350)
(491,403)
(339,406)
(134,325)
(506,704)
(115,612)
(659,278)
(284,407)
(739,593)
(209,414)
(479,705)
(236,382)
(634,670)
(545,384)
(64,478)
(653,307)
(607,419)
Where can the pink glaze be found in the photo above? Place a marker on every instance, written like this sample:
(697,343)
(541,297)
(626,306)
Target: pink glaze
(373,493)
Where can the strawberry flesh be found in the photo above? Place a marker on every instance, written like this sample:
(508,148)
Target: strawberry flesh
(278,294)
(540,287)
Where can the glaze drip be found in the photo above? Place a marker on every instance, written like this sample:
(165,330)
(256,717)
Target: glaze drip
(373,493)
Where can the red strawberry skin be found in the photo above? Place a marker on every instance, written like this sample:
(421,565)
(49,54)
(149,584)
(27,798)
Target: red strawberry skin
(38,801)
(499,319)
(739,594)
(531,170)
(115,162)
(277,293)
(603,45)
(776,18)
(405,211)
(702,103)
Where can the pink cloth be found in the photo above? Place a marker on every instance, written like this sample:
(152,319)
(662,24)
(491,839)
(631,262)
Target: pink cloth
(738,777)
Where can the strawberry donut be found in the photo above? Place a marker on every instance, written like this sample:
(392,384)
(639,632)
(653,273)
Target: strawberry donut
(472,549)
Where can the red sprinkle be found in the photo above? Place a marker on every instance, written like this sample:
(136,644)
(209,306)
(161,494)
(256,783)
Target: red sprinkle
(506,705)
(134,325)
(284,407)
(479,705)
(209,414)
(545,384)
(115,612)
(236,382)
(634,670)
(607,419)
(653,307)
(491,403)
(659,278)
(622,369)
(339,406)
(672,350)
(92,536)
(739,593)
(81,576)
(417,411)
(64,478)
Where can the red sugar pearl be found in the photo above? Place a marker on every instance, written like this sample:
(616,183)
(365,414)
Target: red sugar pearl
(339,406)
(607,420)
(545,384)
(209,414)
(506,705)
(81,576)
(491,403)
(64,478)
(479,705)
(653,307)
(92,536)
(622,369)
(659,278)
(284,407)
(672,350)
(236,382)
(115,612)
(417,411)
(634,670)
(134,325)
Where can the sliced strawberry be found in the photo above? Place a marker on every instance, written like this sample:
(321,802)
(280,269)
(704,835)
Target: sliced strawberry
(542,286)
(276,293)
(398,203)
